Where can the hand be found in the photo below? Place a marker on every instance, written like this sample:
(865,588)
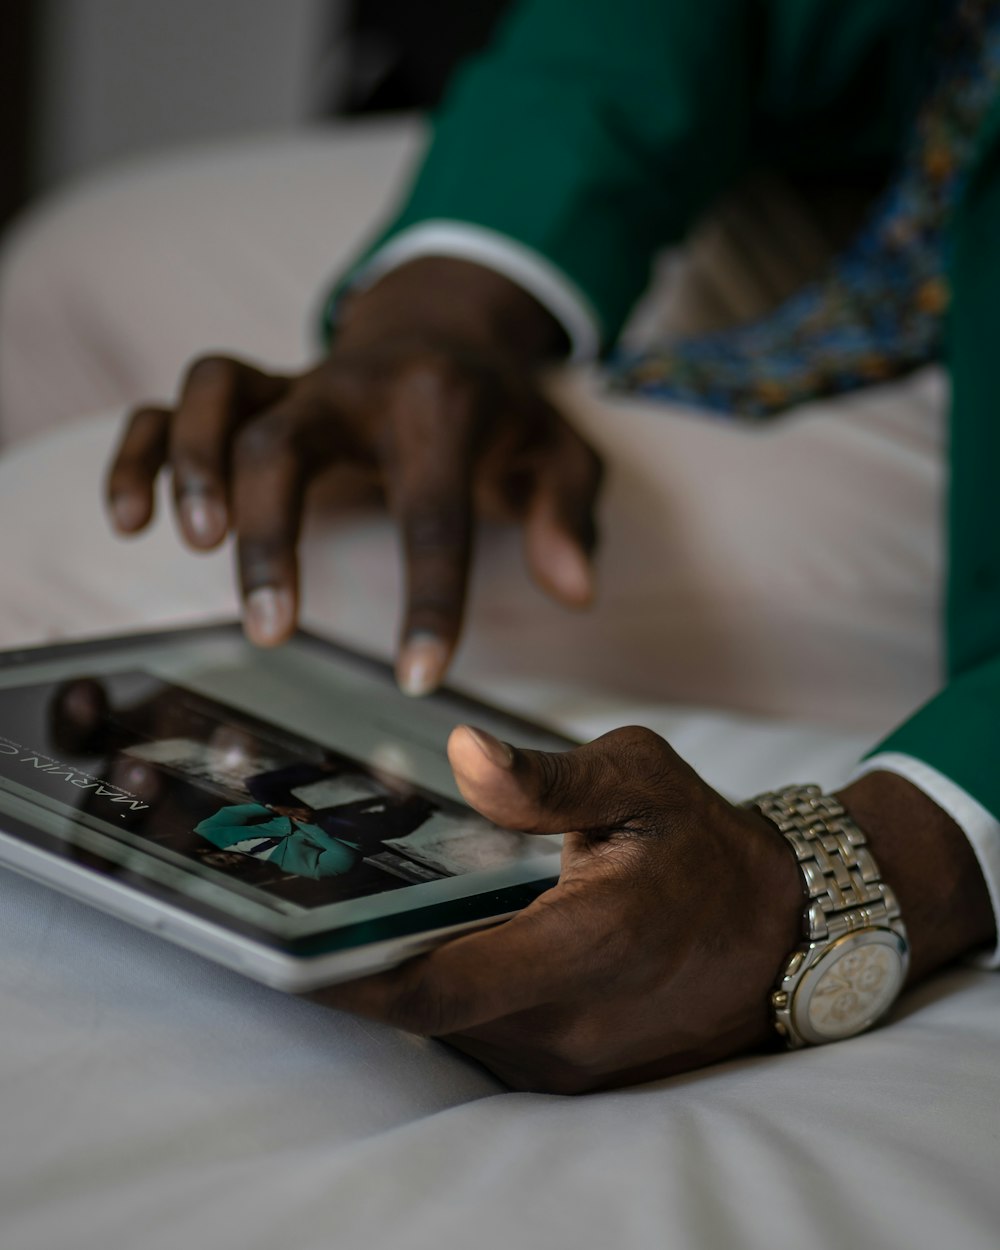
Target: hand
(430,387)
(674,913)
(656,951)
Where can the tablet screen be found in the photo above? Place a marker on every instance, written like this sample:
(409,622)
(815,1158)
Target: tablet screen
(291,791)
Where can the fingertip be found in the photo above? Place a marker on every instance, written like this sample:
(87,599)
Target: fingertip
(467,738)
(423,660)
(573,577)
(204,520)
(483,772)
(130,513)
(561,567)
(269,615)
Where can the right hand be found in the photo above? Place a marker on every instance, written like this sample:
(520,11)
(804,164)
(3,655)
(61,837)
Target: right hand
(431,386)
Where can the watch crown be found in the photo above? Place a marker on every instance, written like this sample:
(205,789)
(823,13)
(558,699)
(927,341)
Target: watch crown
(794,963)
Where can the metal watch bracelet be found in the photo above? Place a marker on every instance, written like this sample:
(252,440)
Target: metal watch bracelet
(856,952)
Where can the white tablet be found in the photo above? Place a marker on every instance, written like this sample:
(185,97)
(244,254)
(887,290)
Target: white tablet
(287,813)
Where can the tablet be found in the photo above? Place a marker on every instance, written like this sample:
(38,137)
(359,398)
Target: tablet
(287,813)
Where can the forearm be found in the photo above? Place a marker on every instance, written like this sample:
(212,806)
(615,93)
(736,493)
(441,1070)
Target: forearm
(927,860)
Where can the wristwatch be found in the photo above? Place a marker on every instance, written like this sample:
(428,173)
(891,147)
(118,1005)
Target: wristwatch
(853,963)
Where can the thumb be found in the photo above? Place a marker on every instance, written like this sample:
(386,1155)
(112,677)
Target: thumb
(606,785)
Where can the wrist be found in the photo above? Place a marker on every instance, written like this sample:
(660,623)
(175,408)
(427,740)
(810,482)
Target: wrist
(928,861)
(455,302)
(766,899)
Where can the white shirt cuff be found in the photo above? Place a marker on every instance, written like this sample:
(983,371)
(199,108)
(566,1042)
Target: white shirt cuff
(980,826)
(529,269)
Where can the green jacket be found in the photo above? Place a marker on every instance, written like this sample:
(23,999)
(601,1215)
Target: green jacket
(595,132)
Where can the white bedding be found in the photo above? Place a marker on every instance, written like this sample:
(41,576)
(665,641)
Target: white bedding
(153,1101)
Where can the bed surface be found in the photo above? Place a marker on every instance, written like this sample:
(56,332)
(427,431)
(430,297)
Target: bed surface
(152,1100)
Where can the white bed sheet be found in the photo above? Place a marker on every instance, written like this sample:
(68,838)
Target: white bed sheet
(151,1100)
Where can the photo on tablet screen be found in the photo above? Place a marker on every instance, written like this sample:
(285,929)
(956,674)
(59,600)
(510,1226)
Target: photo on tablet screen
(184,778)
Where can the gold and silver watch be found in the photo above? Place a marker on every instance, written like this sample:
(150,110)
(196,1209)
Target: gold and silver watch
(853,963)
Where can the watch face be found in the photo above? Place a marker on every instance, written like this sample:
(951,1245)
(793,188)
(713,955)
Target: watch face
(851,986)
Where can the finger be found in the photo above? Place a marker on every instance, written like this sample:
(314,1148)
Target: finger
(560,529)
(531,959)
(428,473)
(269,480)
(611,784)
(131,481)
(218,393)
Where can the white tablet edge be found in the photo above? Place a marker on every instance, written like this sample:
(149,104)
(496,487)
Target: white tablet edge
(291,973)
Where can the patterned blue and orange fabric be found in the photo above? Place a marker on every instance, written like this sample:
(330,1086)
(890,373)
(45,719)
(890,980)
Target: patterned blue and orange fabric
(879,312)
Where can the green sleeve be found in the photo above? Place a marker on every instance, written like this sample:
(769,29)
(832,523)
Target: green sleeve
(971,352)
(958,732)
(595,131)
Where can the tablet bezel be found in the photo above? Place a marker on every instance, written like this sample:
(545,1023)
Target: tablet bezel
(295,964)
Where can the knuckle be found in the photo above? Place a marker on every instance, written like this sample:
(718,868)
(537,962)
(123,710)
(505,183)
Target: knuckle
(145,427)
(429,373)
(655,780)
(643,747)
(143,442)
(194,472)
(145,417)
(437,394)
(555,786)
(195,467)
(431,530)
(265,559)
(263,440)
(210,371)
(438,364)
(432,612)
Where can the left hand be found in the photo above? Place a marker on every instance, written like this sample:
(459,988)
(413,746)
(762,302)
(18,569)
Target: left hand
(654,954)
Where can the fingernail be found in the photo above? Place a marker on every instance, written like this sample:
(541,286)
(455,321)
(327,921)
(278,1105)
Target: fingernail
(421,664)
(129,512)
(497,752)
(268,615)
(203,517)
(572,574)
